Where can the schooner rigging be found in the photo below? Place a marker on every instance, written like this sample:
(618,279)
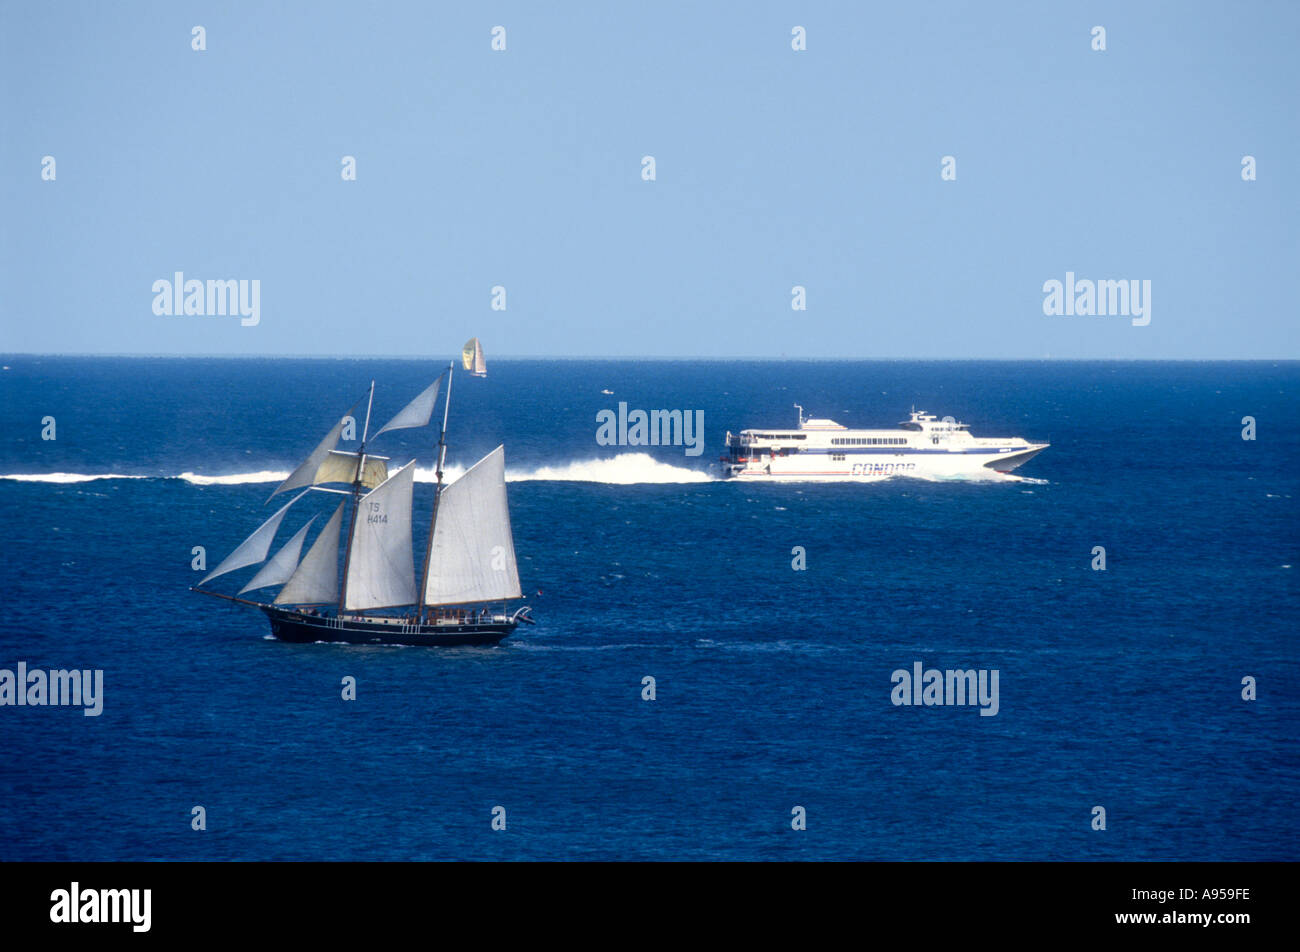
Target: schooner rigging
(468,557)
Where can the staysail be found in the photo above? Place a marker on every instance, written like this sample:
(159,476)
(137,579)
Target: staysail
(473,553)
(253,549)
(316,580)
(381,568)
(472,357)
(281,565)
(417,412)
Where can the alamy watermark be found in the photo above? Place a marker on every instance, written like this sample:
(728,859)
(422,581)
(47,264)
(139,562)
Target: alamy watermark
(1103,298)
(58,688)
(931,687)
(76,904)
(655,428)
(242,298)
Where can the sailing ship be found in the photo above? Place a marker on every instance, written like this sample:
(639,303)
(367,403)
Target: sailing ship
(469,573)
(472,355)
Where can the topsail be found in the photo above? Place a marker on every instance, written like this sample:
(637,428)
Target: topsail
(417,412)
(305,474)
(341,467)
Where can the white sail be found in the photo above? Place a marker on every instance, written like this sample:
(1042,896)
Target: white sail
(253,549)
(340,466)
(381,569)
(316,580)
(417,412)
(473,555)
(472,358)
(281,565)
(306,471)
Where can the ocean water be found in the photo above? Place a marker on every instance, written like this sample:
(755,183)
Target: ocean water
(1119,688)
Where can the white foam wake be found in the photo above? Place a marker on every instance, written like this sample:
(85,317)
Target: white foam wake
(65,477)
(979,476)
(625,469)
(235,479)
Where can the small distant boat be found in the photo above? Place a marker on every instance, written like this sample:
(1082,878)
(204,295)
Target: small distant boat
(472,358)
(469,557)
(608,393)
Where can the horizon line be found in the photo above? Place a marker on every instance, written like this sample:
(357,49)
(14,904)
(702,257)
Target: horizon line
(653,357)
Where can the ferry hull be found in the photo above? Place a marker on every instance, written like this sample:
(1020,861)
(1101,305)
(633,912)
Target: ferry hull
(298,628)
(931,465)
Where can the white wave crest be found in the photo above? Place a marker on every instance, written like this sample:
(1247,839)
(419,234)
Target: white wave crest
(625,469)
(64,477)
(235,479)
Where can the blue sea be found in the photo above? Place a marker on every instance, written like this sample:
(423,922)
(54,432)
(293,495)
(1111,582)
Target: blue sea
(1120,689)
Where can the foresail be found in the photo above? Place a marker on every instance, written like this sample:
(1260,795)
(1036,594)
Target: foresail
(281,565)
(417,412)
(253,549)
(381,567)
(473,554)
(316,580)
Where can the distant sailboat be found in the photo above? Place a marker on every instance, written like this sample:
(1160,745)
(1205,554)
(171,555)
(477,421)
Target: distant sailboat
(469,556)
(472,358)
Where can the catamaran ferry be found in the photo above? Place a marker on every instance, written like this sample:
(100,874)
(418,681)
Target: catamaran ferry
(824,450)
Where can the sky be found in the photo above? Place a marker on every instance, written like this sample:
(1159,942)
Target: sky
(774,168)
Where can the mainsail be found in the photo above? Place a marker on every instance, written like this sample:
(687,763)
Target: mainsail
(472,357)
(281,565)
(473,554)
(381,569)
(417,412)
(253,549)
(316,580)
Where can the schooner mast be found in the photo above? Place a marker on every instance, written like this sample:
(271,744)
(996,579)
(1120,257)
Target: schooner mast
(437,494)
(356,497)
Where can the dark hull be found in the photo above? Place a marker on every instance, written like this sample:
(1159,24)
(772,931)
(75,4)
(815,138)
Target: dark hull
(306,629)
